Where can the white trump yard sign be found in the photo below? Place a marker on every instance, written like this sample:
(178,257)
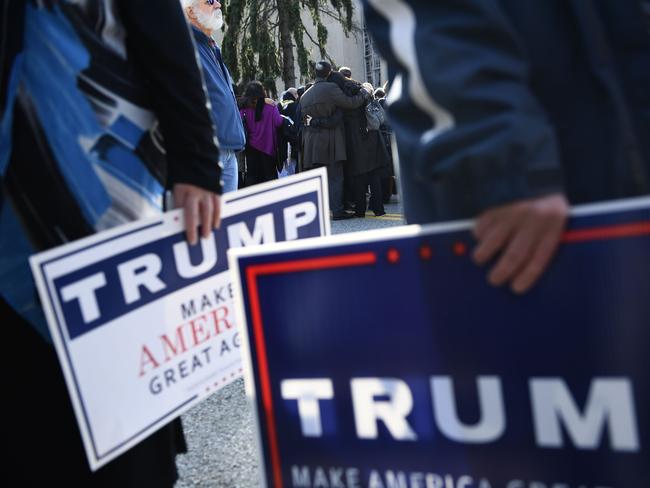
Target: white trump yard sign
(143,323)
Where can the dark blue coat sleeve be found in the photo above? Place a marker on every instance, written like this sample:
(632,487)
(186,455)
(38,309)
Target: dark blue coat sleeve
(470,132)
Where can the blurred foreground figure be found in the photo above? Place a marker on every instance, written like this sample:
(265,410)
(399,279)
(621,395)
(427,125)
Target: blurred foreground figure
(509,111)
(102,109)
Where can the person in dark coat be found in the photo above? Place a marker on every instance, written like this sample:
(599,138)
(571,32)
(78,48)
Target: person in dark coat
(348,178)
(366,152)
(325,146)
(387,176)
(289,142)
(509,111)
(77,99)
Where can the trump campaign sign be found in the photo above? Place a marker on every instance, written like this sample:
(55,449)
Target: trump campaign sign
(143,323)
(384,359)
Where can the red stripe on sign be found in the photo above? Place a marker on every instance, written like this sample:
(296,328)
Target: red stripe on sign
(252,273)
(267,401)
(609,232)
(359,259)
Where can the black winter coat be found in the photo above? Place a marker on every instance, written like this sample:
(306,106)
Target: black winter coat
(366,149)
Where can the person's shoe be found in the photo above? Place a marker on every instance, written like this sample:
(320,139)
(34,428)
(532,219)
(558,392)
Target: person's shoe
(342,216)
(359,215)
(379,214)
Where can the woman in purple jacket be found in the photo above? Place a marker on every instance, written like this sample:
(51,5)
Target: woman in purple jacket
(262,120)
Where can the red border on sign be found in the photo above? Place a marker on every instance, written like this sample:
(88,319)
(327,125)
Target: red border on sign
(252,273)
(633,229)
(363,259)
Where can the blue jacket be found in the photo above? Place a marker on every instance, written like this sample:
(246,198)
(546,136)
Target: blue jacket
(498,100)
(225,114)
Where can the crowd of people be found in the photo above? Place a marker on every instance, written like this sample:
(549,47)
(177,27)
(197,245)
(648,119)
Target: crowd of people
(310,126)
(306,128)
(321,125)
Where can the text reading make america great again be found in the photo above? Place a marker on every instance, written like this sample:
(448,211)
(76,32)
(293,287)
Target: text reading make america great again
(143,322)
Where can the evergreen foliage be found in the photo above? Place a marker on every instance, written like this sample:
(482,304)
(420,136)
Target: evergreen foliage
(265,38)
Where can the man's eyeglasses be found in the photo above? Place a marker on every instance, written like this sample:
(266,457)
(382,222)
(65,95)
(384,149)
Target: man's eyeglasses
(210,2)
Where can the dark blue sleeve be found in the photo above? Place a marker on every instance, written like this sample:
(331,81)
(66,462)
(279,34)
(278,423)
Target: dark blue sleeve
(461,107)
(11,25)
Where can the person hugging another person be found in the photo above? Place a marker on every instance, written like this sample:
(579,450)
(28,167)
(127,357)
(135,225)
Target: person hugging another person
(366,152)
(324,144)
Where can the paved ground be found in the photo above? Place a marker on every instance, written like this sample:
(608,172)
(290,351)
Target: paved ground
(392,218)
(220,431)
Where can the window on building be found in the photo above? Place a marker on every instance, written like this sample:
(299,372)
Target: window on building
(372,60)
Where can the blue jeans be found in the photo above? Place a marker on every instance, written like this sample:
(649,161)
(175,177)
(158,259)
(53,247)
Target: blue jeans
(229,171)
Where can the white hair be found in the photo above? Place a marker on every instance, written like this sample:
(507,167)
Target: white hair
(368,87)
(211,22)
(188,3)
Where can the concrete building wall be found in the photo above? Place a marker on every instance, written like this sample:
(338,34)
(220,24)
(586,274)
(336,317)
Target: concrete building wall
(354,51)
(345,51)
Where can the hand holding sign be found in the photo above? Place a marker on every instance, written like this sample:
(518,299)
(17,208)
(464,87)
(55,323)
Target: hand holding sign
(527,233)
(143,322)
(200,206)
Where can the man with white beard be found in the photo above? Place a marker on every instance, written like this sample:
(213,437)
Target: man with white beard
(206,19)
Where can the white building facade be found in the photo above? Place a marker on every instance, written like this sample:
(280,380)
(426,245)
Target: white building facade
(355,51)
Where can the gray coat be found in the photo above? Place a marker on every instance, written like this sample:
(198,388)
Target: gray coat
(322,146)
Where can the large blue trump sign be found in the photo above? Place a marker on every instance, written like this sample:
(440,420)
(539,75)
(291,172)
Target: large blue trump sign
(386,360)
